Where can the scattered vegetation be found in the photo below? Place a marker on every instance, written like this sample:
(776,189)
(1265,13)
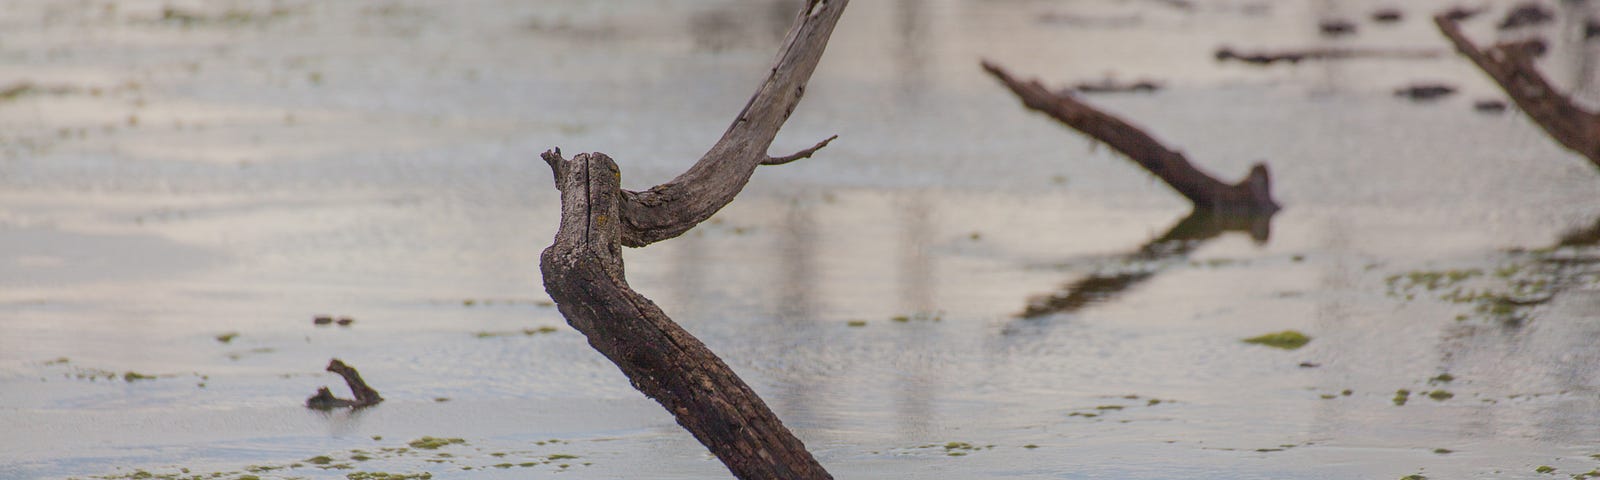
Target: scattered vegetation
(543,329)
(433,443)
(1287,340)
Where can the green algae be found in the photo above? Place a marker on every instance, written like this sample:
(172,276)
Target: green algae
(433,443)
(387,476)
(1287,340)
(227,337)
(1440,395)
(319,460)
(1545,469)
(1401,396)
(132,376)
(856,323)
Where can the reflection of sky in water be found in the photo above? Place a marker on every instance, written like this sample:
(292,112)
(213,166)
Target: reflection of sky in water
(378,160)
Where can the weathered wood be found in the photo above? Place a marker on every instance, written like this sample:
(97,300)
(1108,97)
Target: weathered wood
(583,273)
(583,270)
(1253,194)
(667,210)
(1511,66)
(365,395)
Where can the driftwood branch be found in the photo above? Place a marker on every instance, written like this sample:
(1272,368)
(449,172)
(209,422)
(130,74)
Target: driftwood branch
(583,273)
(1511,66)
(667,210)
(583,270)
(365,395)
(1253,194)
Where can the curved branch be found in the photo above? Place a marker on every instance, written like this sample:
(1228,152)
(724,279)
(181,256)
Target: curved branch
(1511,66)
(583,273)
(1253,194)
(669,209)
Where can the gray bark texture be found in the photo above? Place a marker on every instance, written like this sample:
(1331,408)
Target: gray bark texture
(1252,195)
(1511,66)
(583,269)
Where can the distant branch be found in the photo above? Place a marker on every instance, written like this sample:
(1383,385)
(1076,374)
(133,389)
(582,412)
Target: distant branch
(1511,66)
(1253,194)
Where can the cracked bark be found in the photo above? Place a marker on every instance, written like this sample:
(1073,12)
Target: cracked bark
(583,269)
(1252,195)
(1511,66)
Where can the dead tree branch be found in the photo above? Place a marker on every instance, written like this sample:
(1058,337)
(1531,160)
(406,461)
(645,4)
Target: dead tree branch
(583,269)
(1253,194)
(365,395)
(1511,66)
(667,210)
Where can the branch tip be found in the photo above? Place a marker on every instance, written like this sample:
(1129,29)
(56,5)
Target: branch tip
(800,154)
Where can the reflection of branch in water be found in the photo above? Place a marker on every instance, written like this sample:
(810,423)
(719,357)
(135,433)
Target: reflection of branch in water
(1581,237)
(1178,242)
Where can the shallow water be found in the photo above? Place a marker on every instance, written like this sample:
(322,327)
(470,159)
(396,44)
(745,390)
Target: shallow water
(243,166)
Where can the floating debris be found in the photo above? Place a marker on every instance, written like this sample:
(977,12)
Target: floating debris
(322,320)
(1336,27)
(227,337)
(1459,13)
(345,321)
(1526,14)
(1489,106)
(1425,92)
(1387,15)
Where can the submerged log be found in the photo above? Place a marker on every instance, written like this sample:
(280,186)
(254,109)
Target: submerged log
(1226,53)
(365,395)
(1511,66)
(583,269)
(1253,194)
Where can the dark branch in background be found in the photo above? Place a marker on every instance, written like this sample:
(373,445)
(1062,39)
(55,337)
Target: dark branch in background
(583,268)
(1176,244)
(365,395)
(1251,195)
(1511,66)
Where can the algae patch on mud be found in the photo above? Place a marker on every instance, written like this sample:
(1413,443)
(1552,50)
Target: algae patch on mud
(433,443)
(1287,340)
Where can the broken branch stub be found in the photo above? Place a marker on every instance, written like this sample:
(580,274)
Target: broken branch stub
(1252,195)
(583,269)
(1510,65)
(365,395)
